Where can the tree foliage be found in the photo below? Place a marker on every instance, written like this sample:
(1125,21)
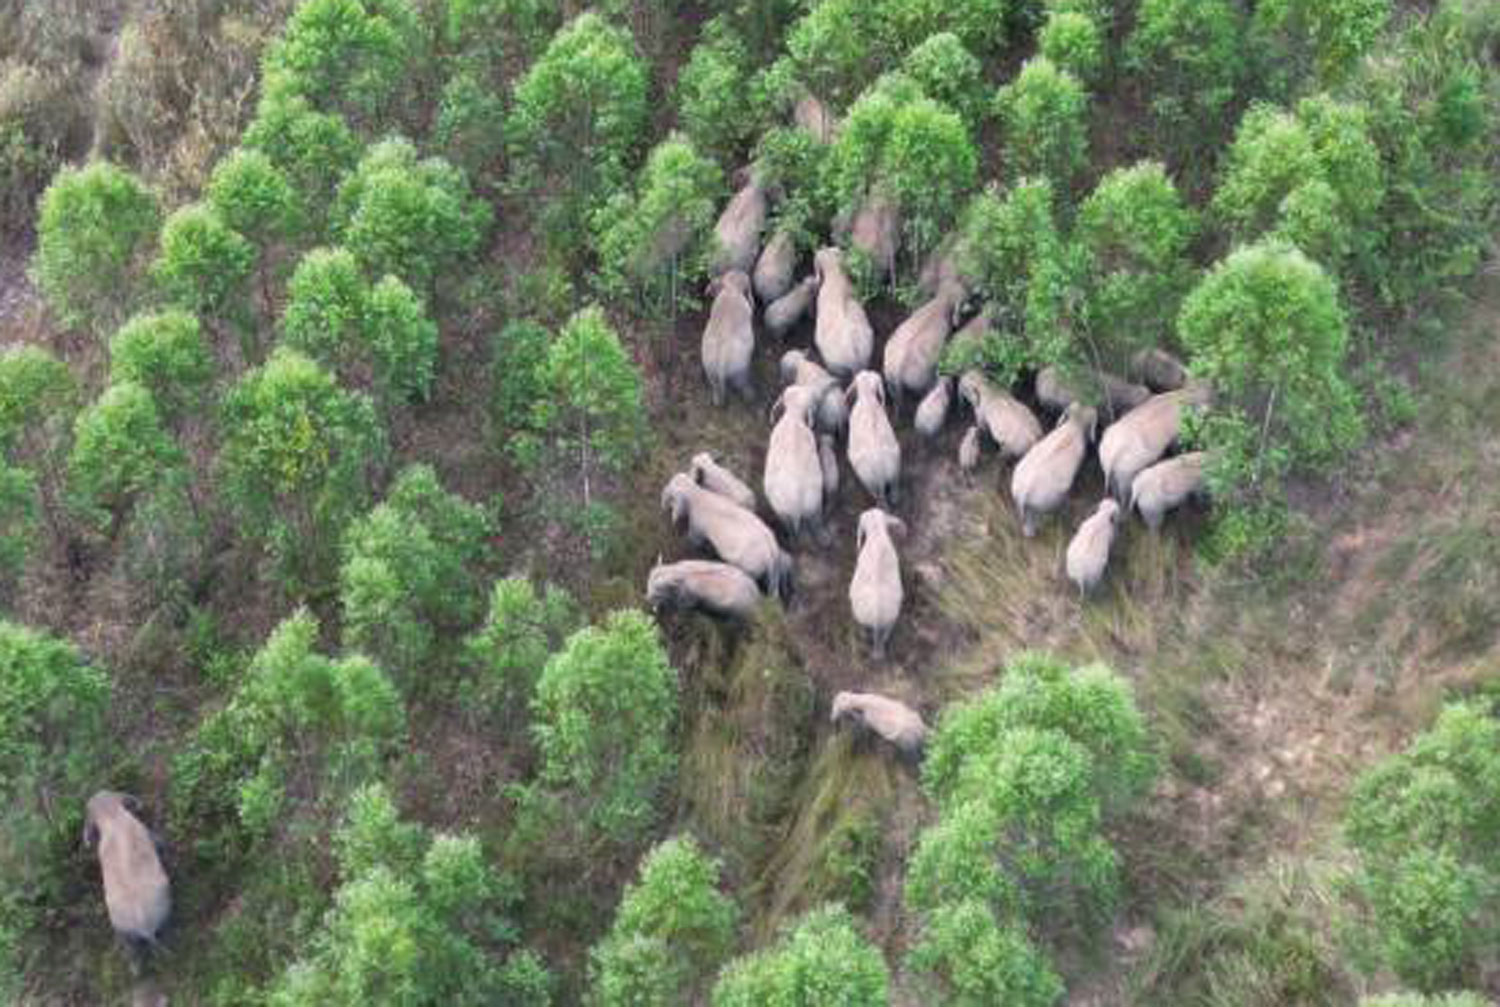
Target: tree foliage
(1190,55)
(94,226)
(821,961)
(1044,115)
(948,73)
(971,960)
(1325,36)
(506,655)
(1073,42)
(253,196)
(605,712)
(165,353)
(313,149)
(120,450)
(204,265)
(711,91)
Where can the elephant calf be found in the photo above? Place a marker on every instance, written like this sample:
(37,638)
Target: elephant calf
(912,353)
(136,891)
(1167,485)
(1140,437)
(729,336)
(932,411)
(829,459)
(874,452)
(876,232)
(1041,481)
(1088,553)
(891,719)
(737,233)
(794,477)
(875,592)
(712,476)
(716,588)
(812,115)
(843,334)
(1012,426)
(1159,370)
(1116,395)
(833,414)
(790,308)
(735,534)
(773,270)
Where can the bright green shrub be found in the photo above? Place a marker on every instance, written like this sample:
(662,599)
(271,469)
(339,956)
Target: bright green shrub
(519,352)
(1133,232)
(948,73)
(93,228)
(821,962)
(711,91)
(313,149)
(653,244)
(412,218)
(204,265)
(970,960)
(1418,1000)
(833,49)
(252,196)
(506,655)
(297,454)
(405,584)
(470,124)
(326,306)
(674,918)
(1324,37)
(1423,823)
(497,34)
(403,341)
(1074,44)
(120,450)
(1044,115)
(54,753)
(1190,55)
(605,712)
(1266,329)
(38,402)
(164,353)
(790,162)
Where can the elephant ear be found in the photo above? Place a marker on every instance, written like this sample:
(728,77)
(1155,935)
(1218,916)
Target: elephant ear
(679,507)
(880,393)
(896,526)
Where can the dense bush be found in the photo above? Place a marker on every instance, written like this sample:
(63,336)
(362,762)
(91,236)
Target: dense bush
(504,658)
(973,961)
(54,753)
(95,224)
(674,918)
(253,197)
(1074,43)
(121,452)
(1321,37)
(204,265)
(605,715)
(1044,115)
(470,124)
(313,149)
(405,585)
(790,162)
(1423,823)
(297,458)
(165,353)
(822,960)
(1266,329)
(711,91)
(1190,56)
(38,401)
(950,74)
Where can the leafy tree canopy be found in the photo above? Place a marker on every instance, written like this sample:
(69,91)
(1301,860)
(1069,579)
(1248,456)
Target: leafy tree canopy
(820,962)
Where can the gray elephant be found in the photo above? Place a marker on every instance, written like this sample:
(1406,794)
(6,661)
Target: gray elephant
(1088,552)
(874,451)
(812,115)
(719,589)
(833,413)
(136,890)
(969,450)
(912,353)
(736,535)
(889,719)
(1167,485)
(1042,479)
(1139,438)
(1159,370)
(1013,427)
(875,232)
(875,592)
(729,336)
(932,411)
(737,233)
(783,314)
(828,458)
(712,476)
(1112,393)
(775,267)
(793,480)
(843,334)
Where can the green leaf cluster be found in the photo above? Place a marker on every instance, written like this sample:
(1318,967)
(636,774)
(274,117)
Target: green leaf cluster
(1044,119)
(820,961)
(504,658)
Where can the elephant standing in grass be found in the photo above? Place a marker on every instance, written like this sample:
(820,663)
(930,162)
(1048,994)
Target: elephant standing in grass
(1167,485)
(874,452)
(875,592)
(1088,553)
(932,411)
(912,352)
(729,337)
(716,588)
(1139,438)
(794,477)
(136,890)
(738,536)
(712,476)
(1042,479)
(737,233)
(1013,427)
(843,334)
(889,718)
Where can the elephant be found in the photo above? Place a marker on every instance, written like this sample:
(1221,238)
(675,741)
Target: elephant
(812,115)
(833,414)
(737,233)
(913,351)
(1159,370)
(794,477)
(1042,479)
(774,268)
(874,452)
(969,449)
(875,592)
(932,411)
(829,460)
(875,232)
(891,719)
(718,589)
(736,535)
(1013,427)
(782,314)
(1166,485)
(1088,552)
(1140,437)
(1110,391)
(729,336)
(712,476)
(941,267)
(843,334)
(136,890)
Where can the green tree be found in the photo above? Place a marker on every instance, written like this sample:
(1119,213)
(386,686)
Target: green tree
(405,584)
(1134,232)
(1190,55)
(791,163)
(970,960)
(834,49)
(54,750)
(297,456)
(204,265)
(506,655)
(252,196)
(1422,822)
(823,961)
(653,244)
(326,307)
(589,422)
(1044,115)
(1323,37)
(403,341)
(711,91)
(1266,329)
(948,73)
(121,452)
(94,226)
(313,149)
(470,124)
(413,218)
(1074,43)
(605,713)
(578,116)
(519,357)
(164,353)
(38,402)
(674,918)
